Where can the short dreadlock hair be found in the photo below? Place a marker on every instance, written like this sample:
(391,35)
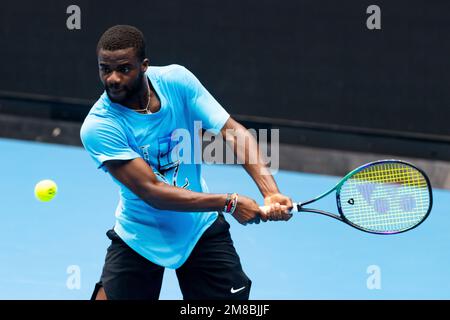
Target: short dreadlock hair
(123,37)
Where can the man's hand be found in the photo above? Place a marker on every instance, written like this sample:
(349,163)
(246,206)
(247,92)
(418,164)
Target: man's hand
(280,207)
(247,211)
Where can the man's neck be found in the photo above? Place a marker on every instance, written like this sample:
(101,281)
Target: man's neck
(140,100)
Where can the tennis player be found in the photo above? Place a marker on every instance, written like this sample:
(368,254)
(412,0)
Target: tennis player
(165,217)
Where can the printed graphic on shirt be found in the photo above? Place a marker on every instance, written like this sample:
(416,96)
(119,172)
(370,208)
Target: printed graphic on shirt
(168,161)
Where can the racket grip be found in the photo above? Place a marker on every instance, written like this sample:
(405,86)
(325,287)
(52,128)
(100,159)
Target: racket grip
(295,208)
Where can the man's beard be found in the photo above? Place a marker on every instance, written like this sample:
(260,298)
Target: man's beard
(130,92)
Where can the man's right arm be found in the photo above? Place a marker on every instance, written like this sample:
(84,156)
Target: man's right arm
(137,176)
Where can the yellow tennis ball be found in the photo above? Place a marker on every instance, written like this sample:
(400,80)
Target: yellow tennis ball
(45,190)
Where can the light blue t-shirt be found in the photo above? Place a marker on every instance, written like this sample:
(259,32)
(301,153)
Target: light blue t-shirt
(114,132)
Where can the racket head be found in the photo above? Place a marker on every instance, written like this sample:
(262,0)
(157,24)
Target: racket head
(385,197)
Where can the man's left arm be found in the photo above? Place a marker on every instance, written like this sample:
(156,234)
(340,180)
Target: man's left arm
(247,151)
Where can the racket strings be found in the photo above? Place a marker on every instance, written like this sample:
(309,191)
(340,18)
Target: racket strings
(388,176)
(387,197)
(397,177)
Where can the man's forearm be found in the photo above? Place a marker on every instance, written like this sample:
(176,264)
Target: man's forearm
(247,151)
(263,178)
(259,171)
(166,197)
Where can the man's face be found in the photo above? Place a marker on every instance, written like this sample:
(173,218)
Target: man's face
(121,73)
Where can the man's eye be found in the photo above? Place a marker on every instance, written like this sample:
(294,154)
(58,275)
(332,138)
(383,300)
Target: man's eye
(105,69)
(124,70)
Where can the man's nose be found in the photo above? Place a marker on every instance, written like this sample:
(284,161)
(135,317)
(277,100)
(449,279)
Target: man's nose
(114,79)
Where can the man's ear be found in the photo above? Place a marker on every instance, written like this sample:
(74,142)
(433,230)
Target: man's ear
(144,65)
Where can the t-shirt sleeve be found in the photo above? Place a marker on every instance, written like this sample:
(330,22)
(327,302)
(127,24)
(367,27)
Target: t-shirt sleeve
(105,141)
(202,105)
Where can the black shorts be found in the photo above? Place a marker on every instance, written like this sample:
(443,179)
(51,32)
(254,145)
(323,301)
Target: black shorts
(212,271)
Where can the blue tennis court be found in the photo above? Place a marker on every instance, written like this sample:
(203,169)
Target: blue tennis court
(45,246)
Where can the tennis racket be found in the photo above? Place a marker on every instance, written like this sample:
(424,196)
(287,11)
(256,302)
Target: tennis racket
(381,197)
